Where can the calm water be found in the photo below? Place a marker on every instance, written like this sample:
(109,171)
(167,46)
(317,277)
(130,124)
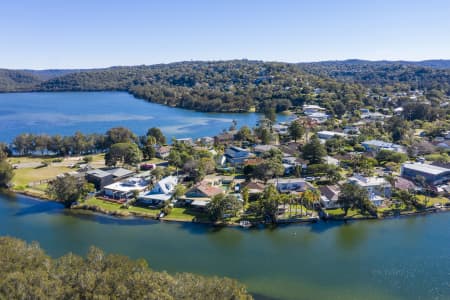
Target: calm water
(88,112)
(406,258)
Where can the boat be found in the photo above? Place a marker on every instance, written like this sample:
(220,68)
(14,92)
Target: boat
(245,224)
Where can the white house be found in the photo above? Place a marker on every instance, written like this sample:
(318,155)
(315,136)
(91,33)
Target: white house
(377,145)
(326,135)
(329,195)
(309,109)
(377,187)
(125,189)
(318,117)
(161,192)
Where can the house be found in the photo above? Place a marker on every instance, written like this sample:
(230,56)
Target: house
(280,128)
(329,160)
(125,189)
(255,189)
(201,194)
(186,141)
(161,192)
(291,148)
(287,185)
(99,178)
(206,141)
(329,196)
(433,175)
(225,138)
(236,155)
(352,129)
(326,135)
(312,109)
(318,117)
(404,184)
(378,188)
(162,152)
(377,145)
(261,149)
(120,173)
(203,190)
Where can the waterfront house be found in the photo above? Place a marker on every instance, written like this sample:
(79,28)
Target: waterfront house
(434,175)
(120,173)
(125,189)
(329,195)
(161,192)
(201,194)
(255,189)
(287,185)
(99,178)
(378,188)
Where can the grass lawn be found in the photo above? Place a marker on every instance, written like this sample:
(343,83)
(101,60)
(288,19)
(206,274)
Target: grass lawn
(296,209)
(186,214)
(24,176)
(111,206)
(154,160)
(25,159)
(432,200)
(340,212)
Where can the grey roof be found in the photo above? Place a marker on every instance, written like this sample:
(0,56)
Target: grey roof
(98,173)
(425,168)
(120,172)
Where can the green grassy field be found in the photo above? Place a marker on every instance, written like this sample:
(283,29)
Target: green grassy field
(24,176)
(186,214)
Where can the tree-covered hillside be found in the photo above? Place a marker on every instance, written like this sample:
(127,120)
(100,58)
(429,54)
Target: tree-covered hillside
(26,272)
(243,85)
(15,80)
(384,74)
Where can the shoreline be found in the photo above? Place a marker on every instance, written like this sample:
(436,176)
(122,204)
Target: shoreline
(119,215)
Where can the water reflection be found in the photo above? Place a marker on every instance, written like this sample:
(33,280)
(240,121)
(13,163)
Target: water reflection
(350,236)
(404,258)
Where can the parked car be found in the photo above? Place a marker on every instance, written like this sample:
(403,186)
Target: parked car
(145,167)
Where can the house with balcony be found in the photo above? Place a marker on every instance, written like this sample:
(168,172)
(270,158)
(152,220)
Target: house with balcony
(378,188)
(236,155)
(161,192)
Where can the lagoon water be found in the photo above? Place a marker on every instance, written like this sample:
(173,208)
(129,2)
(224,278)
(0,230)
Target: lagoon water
(404,258)
(66,112)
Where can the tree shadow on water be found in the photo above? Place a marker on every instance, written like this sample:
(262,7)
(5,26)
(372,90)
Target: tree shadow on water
(39,208)
(108,220)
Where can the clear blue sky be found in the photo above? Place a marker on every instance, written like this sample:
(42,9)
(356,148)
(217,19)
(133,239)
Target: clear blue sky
(93,33)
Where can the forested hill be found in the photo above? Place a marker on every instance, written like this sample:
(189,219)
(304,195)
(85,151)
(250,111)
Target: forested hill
(27,80)
(403,75)
(241,85)
(227,86)
(13,80)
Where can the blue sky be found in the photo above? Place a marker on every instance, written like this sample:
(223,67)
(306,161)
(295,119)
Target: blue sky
(94,33)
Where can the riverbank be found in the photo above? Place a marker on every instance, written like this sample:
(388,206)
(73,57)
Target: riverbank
(142,213)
